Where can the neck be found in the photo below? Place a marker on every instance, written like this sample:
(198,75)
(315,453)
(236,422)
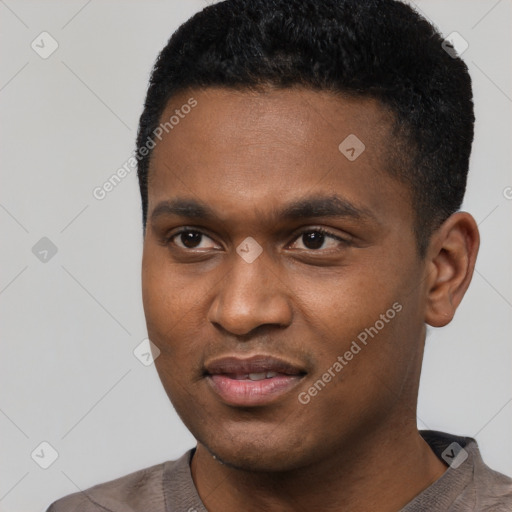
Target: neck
(383,471)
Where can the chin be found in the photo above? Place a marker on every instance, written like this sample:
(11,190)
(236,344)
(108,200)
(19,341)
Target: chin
(257,453)
(256,462)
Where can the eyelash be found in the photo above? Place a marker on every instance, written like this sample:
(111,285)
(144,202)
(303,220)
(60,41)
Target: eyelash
(169,239)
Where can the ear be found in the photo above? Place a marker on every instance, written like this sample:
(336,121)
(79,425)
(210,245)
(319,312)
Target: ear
(451,258)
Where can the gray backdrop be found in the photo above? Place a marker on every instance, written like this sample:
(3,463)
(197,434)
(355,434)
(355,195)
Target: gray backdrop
(74,398)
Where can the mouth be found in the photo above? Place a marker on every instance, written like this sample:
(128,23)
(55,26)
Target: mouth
(255,381)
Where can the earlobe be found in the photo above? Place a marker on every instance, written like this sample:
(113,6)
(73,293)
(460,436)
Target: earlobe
(451,261)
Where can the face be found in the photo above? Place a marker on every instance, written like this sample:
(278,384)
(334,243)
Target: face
(281,280)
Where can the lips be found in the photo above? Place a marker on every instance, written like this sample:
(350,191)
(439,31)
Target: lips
(257,380)
(257,364)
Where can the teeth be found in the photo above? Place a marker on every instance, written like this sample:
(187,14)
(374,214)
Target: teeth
(261,375)
(258,376)
(253,376)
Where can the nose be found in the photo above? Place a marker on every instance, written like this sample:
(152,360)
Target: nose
(250,296)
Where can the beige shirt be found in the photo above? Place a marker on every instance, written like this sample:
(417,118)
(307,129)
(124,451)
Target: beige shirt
(467,485)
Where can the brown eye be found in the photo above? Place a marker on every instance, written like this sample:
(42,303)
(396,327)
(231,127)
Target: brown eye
(315,239)
(192,239)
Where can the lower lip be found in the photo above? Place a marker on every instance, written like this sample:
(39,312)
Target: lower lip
(252,392)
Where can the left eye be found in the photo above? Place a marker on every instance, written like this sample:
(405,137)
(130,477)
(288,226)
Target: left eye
(315,239)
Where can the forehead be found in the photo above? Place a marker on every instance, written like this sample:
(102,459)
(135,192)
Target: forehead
(247,149)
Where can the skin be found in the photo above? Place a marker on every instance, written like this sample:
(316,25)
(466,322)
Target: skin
(246,155)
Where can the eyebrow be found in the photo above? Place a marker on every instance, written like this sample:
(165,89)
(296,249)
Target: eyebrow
(325,206)
(183,208)
(315,206)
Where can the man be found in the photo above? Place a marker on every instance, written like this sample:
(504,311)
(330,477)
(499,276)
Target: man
(302,164)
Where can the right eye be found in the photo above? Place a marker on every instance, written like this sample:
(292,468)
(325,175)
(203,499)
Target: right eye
(191,239)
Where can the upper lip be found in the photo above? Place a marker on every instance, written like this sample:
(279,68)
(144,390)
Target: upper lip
(254,364)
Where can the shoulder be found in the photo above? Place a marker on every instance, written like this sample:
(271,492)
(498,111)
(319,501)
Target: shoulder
(467,484)
(129,493)
(493,490)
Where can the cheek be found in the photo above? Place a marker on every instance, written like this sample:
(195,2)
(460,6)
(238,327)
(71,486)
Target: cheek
(367,319)
(174,307)
(164,305)
(165,296)
(344,303)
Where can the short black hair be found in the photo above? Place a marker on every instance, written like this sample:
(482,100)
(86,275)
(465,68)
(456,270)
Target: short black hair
(380,49)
